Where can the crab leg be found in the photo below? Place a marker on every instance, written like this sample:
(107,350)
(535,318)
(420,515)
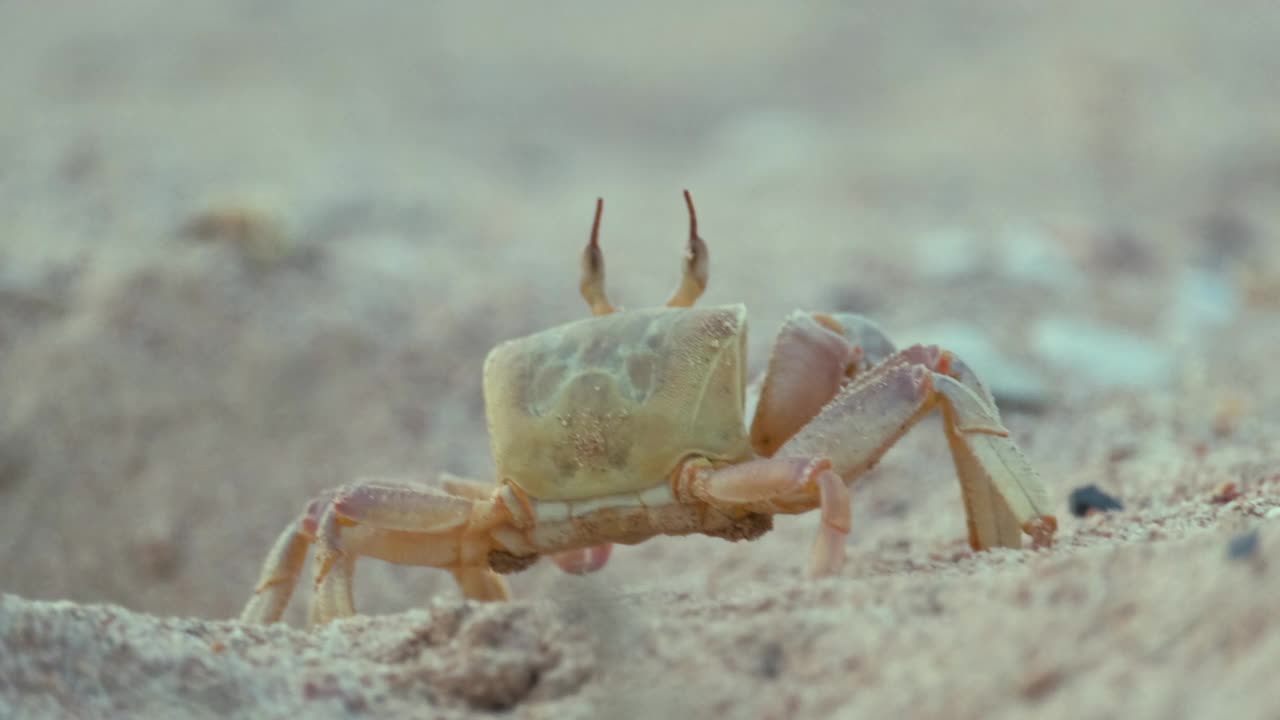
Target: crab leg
(465,487)
(988,460)
(782,485)
(475,583)
(693,275)
(405,525)
(828,548)
(283,565)
(481,584)
(574,561)
(1002,495)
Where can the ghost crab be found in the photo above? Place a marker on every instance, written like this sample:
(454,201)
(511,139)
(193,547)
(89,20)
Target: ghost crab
(631,424)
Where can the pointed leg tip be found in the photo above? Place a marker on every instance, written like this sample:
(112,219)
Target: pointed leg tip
(827,558)
(254,612)
(1041,529)
(482,585)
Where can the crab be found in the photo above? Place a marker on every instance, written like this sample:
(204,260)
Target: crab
(632,424)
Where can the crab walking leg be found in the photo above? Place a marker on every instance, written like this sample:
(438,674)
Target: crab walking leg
(1002,495)
(331,599)
(481,584)
(283,565)
(592,283)
(404,525)
(787,485)
(695,267)
(987,459)
(834,514)
(575,562)
(465,487)
(475,583)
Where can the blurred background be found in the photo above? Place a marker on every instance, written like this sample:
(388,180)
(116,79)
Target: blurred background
(250,250)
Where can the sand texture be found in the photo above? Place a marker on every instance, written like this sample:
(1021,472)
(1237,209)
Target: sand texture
(254,250)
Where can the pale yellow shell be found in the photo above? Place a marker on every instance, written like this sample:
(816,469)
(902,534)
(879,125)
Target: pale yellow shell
(612,404)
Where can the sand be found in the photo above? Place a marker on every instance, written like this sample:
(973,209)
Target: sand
(252,251)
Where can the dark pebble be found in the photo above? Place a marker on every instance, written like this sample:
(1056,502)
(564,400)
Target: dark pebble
(1243,546)
(771,661)
(1091,497)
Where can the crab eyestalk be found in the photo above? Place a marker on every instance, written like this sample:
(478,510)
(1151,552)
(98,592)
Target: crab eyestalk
(592,284)
(693,277)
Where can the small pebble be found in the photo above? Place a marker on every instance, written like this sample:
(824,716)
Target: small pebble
(1091,498)
(254,232)
(1243,546)
(1225,493)
(771,661)
(1042,685)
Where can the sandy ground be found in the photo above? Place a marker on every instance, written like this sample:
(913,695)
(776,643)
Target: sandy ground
(255,250)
